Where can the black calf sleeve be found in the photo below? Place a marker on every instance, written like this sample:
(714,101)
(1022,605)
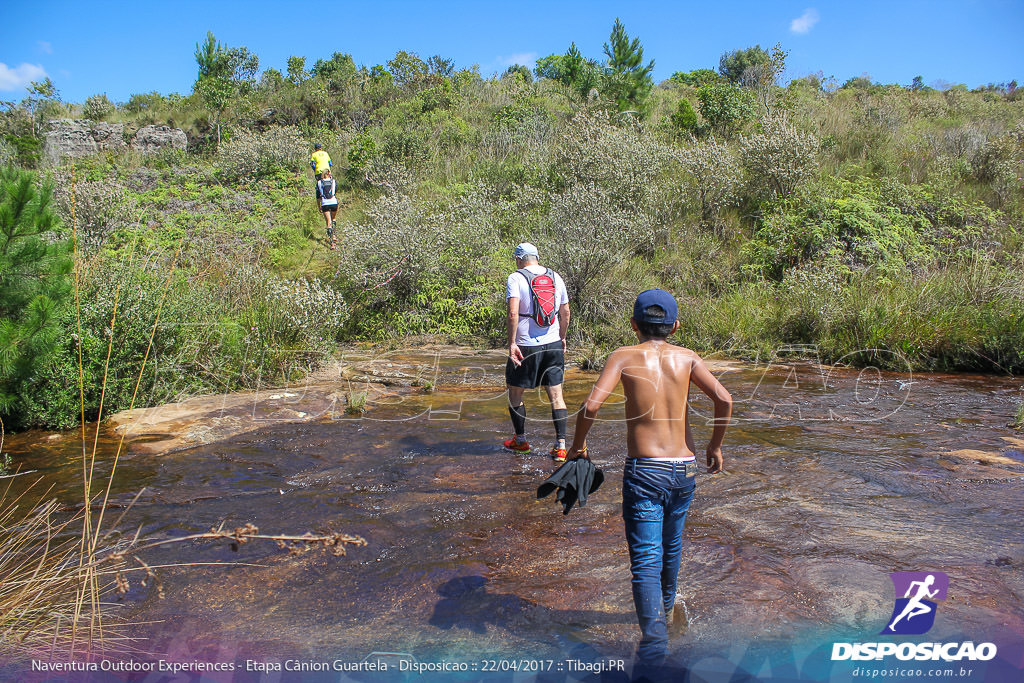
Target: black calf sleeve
(560,416)
(518,415)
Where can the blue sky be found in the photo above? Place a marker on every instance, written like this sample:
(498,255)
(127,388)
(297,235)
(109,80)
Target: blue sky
(125,48)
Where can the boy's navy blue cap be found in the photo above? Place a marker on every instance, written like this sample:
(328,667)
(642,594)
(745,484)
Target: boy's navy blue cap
(655,297)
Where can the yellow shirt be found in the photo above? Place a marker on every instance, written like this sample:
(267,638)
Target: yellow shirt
(321,159)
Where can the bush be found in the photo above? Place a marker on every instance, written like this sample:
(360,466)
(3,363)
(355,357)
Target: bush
(248,156)
(684,118)
(8,153)
(424,268)
(859,224)
(726,108)
(240,327)
(624,161)
(97,107)
(100,208)
(696,78)
(588,238)
(712,177)
(779,158)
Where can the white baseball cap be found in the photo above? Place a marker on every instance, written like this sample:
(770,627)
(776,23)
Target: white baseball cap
(525,249)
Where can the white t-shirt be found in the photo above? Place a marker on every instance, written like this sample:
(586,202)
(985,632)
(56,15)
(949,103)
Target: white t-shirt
(529,333)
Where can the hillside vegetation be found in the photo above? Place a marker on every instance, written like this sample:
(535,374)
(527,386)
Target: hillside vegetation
(862,223)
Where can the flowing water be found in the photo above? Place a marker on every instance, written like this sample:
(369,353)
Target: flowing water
(834,478)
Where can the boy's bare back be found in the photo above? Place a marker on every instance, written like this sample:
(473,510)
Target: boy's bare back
(656,381)
(656,378)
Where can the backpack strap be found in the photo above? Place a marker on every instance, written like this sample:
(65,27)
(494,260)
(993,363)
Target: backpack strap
(529,285)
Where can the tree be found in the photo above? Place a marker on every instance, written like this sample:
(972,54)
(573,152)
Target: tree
(407,69)
(552,66)
(684,118)
(297,70)
(630,79)
(441,67)
(732,65)
(224,75)
(763,77)
(580,74)
(338,72)
(34,282)
(726,107)
(210,58)
(917,84)
(43,98)
(520,71)
(862,82)
(696,78)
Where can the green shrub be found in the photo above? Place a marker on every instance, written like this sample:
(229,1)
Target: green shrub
(360,153)
(696,78)
(862,223)
(684,118)
(713,177)
(97,107)
(250,155)
(779,158)
(726,108)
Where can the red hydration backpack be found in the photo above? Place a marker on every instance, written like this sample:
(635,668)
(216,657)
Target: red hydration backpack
(543,304)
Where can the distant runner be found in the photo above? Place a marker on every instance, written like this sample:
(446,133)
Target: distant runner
(319,161)
(327,199)
(659,476)
(538,318)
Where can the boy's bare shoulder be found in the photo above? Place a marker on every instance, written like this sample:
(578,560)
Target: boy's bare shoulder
(682,350)
(624,353)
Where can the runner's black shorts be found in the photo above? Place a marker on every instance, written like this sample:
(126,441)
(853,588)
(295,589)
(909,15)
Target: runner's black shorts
(542,365)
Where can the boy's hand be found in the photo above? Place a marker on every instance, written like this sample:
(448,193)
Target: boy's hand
(515,354)
(715,460)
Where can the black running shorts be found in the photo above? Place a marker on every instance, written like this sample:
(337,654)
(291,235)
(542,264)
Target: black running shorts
(542,365)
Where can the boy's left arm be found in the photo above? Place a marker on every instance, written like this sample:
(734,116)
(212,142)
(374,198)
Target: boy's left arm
(603,388)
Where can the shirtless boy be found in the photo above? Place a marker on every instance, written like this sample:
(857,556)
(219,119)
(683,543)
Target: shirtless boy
(658,478)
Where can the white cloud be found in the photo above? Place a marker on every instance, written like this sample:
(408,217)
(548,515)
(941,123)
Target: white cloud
(524,58)
(20,76)
(805,22)
(45,47)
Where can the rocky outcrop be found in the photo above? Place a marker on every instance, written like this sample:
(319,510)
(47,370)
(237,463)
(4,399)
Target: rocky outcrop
(76,139)
(156,138)
(71,138)
(109,136)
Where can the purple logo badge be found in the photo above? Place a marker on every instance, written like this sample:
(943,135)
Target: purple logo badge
(916,596)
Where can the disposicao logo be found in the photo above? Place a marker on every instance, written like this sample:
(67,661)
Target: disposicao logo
(914,613)
(917,598)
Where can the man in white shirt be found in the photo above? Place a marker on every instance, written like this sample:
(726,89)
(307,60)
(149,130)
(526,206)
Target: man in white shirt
(536,352)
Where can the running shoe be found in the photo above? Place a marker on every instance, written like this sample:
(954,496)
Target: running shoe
(517,446)
(558,454)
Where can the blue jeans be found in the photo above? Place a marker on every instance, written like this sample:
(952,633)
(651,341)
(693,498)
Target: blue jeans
(655,498)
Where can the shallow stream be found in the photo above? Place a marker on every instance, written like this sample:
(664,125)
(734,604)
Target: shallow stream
(834,478)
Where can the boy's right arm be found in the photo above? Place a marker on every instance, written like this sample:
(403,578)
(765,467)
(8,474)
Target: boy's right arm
(709,384)
(604,386)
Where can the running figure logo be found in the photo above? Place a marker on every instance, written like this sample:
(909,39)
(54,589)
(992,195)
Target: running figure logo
(914,612)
